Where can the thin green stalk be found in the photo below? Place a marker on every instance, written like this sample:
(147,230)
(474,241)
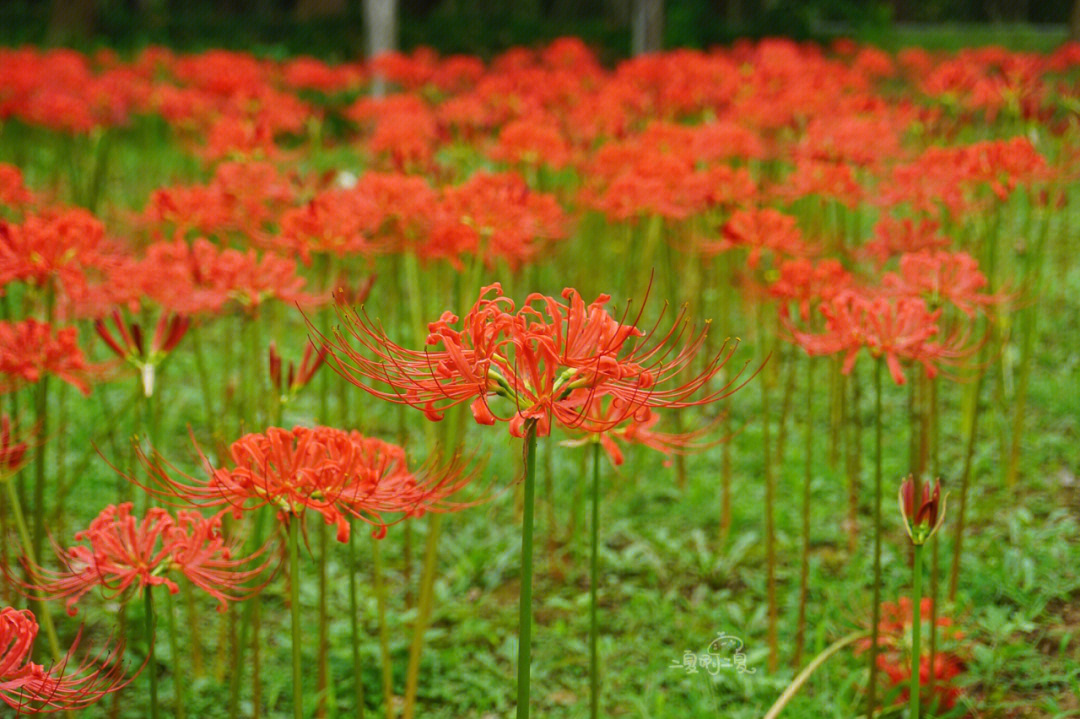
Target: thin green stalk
(44,613)
(804,565)
(179,681)
(151,663)
(770,501)
(354,626)
(294,609)
(525,607)
(41,408)
(423,613)
(255,542)
(384,631)
(876,610)
(325,687)
(965,476)
(594,579)
(916,632)
(805,674)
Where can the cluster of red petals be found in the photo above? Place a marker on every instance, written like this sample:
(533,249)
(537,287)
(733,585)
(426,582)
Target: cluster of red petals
(335,473)
(121,552)
(547,360)
(58,244)
(241,198)
(497,216)
(894,657)
(30,688)
(942,277)
(806,283)
(760,230)
(13,192)
(29,350)
(893,328)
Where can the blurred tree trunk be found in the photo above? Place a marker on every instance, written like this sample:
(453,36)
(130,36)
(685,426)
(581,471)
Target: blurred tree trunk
(315,9)
(71,20)
(647,28)
(1074,22)
(380,19)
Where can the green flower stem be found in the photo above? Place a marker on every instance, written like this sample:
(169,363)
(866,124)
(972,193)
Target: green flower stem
(423,613)
(354,626)
(594,579)
(151,663)
(804,675)
(255,542)
(179,681)
(804,564)
(384,631)
(525,606)
(916,632)
(41,408)
(876,609)
(43,612)
(294,608)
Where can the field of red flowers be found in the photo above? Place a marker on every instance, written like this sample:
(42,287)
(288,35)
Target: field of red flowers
(434,387)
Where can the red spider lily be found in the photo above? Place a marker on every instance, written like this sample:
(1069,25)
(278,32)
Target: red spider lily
(760,230)
(13,192)
(894,237)
(129,344)
(893,328)
(125,552)
(547,359)
(894,644)
(12,452)
(294,379)
(330,471)
(58,244)
(635,428)
(952,277)
(532,142)
(30,349)
(29,688)
(496,216)
(803,282)
(824,179)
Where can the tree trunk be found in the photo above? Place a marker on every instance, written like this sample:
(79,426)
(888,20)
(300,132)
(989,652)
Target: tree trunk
(71,20)
(647,29)
(380,18)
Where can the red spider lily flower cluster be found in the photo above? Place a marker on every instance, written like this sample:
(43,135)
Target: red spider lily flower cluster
(13,192)
(548,360)
(12,451)
(893,328)
(894,658)
(128,344)
(30,688)
(123,552)
(294,379)
(55,244)
(335,473)
(30,349)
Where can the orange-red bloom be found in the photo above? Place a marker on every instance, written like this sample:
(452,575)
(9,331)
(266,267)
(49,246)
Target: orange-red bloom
(122,552)
(336,473)
(30,349)
(546,360)
(30,688)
